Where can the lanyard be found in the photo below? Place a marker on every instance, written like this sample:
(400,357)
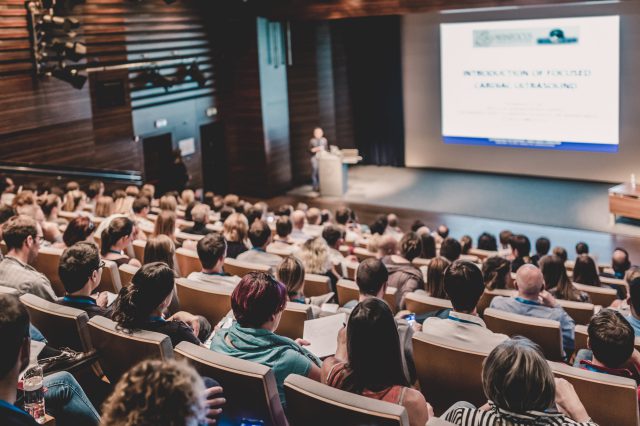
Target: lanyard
(463,320)
(79,299)
(157,319)
(527,302)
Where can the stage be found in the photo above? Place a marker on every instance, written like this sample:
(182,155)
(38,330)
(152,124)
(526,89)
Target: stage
(566,211)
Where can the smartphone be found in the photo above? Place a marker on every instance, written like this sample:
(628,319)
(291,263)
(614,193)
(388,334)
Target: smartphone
(410,318)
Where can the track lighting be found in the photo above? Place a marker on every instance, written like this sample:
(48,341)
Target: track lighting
(70,76)
(72,50)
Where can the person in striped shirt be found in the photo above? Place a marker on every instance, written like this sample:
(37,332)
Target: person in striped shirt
(521,390)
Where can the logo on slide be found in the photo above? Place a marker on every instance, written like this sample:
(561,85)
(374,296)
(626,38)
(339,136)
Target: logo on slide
(524,37)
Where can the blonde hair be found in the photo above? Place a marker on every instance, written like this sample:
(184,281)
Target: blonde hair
(165,224)
(148,190)
(291,272)
(132,191)
(156,392)
(104,206)
(236,227)
(315,256)
(200,213)
(124,205)
(187,197)
(168,202)
(160,248)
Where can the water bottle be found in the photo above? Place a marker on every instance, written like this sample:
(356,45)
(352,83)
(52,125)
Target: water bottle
(34,393)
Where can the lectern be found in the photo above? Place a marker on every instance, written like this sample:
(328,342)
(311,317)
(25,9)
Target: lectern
(333,170)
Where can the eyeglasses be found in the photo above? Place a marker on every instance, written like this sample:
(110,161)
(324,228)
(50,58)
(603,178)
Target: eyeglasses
(39,239)
(101,265)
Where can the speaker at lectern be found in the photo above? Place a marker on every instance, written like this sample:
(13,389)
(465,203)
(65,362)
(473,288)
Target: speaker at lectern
(333,170)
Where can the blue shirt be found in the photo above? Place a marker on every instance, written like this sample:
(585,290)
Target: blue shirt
(530,308)
(635,323)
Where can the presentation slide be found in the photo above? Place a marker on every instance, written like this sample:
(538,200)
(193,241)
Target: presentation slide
(536,83)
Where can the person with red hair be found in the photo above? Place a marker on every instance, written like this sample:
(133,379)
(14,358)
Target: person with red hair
(257,303)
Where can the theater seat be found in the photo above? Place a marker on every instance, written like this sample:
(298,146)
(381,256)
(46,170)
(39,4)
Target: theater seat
(488,295)
(351,268)
(127,272)
(138,249)
(544,332)
(183,236)
(293,318)
(419,261)
(240,269)
(110,280)
(308,401)
(579,311)
(212,301)
(362,253)
(582,338)
(437,421)
(482,254)
(619,285)
(47,263)
(61,325)
(348,291)
(421,303)
(249,388)
(599,295)
(188,261)
(316,285)
(282,252)
(448,371)
(609,400)
(119,350)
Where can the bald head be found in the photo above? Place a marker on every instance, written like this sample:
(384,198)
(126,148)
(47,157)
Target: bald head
(297,219)
(529,280)
(388,245)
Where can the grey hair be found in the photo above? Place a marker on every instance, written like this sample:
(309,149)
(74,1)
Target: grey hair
(517,378)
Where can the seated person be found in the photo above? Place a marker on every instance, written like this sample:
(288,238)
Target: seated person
(428,244)
(466,244)
(543,245)
(402,274)
(619,263)
(634,300)
(582,248)
(23,237)
(464,285)
(212,250)
(282,241)
(290,272)
(435,273)
(450,249)
(520,249)
(487,241)
(368,361)
(557,281)
(260,237)
(611,349)
(505,248)
(64,398)
(371,279)
(334,236)
(496,272)
(298,221)
(257,303)
(315,257)
(236,228)
(534,301)
(521,389)
(561,252)
(115,241)
(176,390)
(80,270)
(141,306)
(585,271)
(141,207)
(200,217)
(79,229)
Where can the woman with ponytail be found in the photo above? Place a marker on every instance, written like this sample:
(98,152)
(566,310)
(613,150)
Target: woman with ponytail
(142,305)
(115,239)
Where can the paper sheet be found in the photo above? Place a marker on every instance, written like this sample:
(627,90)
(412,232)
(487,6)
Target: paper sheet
(322,333)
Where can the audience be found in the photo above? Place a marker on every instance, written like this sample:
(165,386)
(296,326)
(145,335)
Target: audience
(141,306)
(80,270)
(435,275)
(405,277)
(315,257)
(334,236)
(450,249)
(79,229)
(557,281)
(620,262)
(297,220)
(585,271)
(260,237)
(561,253)
(235,230)
(290,272)
(257,303)
(487,242)
(282,241)
(534,301)
(466,244)
(115,241)
(428,244)
(582,248)
(104,207)
(496,272)
(520,248)
(141,207)
(23,237)
(162,249)
(200,217)
(166,225)
(464,285)
(212,250)
(505,242)
(543,245)
(368,361)
(634,300)
(521,389)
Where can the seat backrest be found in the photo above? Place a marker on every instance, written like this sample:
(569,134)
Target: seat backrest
(249,388)
(63,326)
(110,280)
(240,269)
(581,337)
(599,295)
(282,252)
(488,295)
(188,261)
(47,263)
(183,236)
(316,285)
(127,272)
(448,371)
(348,291)
(209,300)
(362,253)
(437,421)
(420,261)
(621,286)
(609,400)
(120,350)
(308,401)
(544,332)
(138,249)
(421,303)
(579,311)
(351,268)
(482,254)
(293,318)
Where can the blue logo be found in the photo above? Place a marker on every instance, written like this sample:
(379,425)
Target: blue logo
(557,36)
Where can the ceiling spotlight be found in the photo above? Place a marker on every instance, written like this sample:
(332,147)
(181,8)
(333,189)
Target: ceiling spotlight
(71,76)
(66,23)
(72,50)
(197,75)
